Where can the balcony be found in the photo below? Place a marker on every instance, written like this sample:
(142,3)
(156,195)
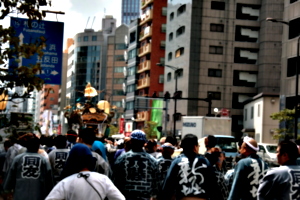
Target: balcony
(147,32)
(144,66)
(146,17)
(145,50)
(145,3)
(143,83)
(142,116)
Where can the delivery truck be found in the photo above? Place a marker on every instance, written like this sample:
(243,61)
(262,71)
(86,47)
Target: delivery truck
(202,126)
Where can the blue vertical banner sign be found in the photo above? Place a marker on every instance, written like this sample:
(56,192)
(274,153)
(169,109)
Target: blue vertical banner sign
(51,62)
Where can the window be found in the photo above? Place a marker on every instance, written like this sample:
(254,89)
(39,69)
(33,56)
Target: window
(170,56)
(130,88)
(214,72)
(181,10)
(248,11)
(51,98)
(162,60)
(245,55)
(118,69)
(179,52)
(217,27)
(294,29)
(214,95)
(171,16)
(132,54)
(161,78)
(180,31)
(85,38)
(132,37)
(215,50)
(245,114)
(119,58)
(163,28)
(118,80)
(252,112)
(120,46)
(170,36)
(217,5)
(129,105)
(131,71)
(169,76)
(118,92)
(258,110)
(79,39)
(94,38)
(163,44)
(246,33)
(164,11)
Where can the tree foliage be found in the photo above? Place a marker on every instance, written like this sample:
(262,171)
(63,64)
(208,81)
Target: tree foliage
(10,48)
(285,117)
(150,130)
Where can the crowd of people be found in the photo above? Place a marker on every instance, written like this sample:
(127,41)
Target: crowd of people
(82,166)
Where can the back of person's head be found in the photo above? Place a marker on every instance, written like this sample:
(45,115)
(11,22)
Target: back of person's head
(138,139)
(60,141)
(167,150)
(211,141)
(189,142)
(151,146)
(214,155)
(80,157)
(7,144)
(87,135)
(171,140)
(72,136)
(30,141)
(290,148)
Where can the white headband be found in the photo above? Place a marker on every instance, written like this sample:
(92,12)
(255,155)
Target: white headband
(246,140)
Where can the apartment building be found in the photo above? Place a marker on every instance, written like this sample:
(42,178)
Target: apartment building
(290,52)
(226,51)
(146,49)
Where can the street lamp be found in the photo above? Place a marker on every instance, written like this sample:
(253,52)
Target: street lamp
(297,77)
(176,70)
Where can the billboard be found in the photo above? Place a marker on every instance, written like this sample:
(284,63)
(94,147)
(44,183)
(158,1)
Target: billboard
(51,62)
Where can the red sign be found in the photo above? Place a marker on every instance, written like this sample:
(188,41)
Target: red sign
(225,112)
(121,125)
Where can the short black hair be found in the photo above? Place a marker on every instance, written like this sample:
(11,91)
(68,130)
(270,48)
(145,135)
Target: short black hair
(71,136)
(60,141)
(211,141)
(30,141)
(87,135)
(188,142)
(289,147)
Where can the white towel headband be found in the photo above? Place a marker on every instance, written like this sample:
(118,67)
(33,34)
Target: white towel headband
(246,140)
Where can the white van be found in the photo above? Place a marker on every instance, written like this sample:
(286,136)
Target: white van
(268,153)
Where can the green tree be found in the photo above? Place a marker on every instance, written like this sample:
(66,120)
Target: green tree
(150,130)
(287,117)
(10,48)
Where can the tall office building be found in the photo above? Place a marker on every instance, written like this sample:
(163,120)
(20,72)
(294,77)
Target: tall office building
(87,61)
(115,87)
(225,51)
(130,10)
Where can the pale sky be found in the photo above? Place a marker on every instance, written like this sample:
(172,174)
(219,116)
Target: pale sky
(80,14)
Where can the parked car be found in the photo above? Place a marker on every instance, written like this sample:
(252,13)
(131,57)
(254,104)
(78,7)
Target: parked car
(268,153)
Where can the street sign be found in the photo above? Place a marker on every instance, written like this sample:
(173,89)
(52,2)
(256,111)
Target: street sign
(51,62)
